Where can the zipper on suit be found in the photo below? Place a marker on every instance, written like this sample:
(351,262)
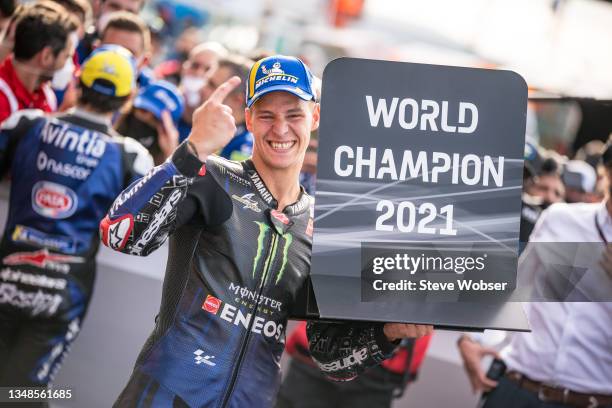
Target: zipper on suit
(245,340)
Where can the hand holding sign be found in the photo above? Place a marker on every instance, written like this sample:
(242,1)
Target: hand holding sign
(213,123)
(395,331)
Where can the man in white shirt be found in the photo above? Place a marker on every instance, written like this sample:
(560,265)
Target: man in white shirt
(566,361)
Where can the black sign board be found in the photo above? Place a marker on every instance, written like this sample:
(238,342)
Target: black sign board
(419,181)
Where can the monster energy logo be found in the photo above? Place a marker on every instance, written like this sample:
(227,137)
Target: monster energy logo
(286,239)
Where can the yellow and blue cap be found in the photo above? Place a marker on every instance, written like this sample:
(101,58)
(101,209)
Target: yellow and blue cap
(109,70)
(279,73)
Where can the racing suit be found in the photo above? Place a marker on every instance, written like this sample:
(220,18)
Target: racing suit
(14,96)
(235,267)
(65,173)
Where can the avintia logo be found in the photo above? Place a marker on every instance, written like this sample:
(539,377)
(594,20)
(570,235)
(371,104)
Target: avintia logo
(200,359)
(287,239)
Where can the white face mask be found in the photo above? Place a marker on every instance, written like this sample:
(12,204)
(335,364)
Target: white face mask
(191,86)
(62,77)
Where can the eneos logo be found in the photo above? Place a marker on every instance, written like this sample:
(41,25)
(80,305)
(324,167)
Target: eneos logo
(53,200)
(211,304)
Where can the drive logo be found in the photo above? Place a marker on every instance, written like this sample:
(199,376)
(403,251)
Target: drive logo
(211,304)
(53,200)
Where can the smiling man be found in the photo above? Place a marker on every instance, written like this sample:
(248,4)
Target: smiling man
(241,238)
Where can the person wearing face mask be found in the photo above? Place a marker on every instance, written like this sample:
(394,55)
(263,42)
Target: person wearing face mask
(42,46)
(102,10)
(64,80)
(202,62)
(152,119)
(240,147)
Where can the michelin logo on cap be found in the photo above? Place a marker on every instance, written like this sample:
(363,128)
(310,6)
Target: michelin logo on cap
(275,74)
(279,73)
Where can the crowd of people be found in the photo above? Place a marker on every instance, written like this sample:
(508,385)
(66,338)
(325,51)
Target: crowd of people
(92,110)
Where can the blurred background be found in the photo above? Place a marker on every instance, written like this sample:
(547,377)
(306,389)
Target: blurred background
(560,47)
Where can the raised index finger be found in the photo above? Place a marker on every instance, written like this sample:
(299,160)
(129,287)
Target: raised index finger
(224,89)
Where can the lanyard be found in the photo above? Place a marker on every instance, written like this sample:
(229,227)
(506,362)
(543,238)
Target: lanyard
(601,234)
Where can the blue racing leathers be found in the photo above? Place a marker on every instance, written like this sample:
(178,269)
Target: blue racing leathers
(65,172)
(235,267)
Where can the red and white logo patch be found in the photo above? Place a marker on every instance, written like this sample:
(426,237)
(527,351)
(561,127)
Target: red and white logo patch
(53,200)
(115,233)
(211,304)
(280,216)
(202,171)
(43,259)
